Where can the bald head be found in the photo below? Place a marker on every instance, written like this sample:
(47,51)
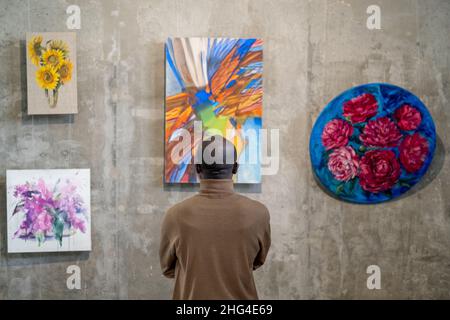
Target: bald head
(218,159)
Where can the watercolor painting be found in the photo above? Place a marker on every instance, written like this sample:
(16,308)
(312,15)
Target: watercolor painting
(51,73)
(217,82)
(372,143)
(48,210)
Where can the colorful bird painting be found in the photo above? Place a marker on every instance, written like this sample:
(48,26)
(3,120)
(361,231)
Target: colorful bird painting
(218,82)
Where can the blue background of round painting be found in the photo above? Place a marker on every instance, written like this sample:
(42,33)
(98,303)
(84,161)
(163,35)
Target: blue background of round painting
(389,98)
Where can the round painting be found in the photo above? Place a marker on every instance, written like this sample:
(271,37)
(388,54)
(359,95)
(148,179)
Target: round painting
(372,143)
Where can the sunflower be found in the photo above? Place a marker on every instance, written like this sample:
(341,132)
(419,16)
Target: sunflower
(53,57)
(35,49)
(47,77)
(59,45)
(65,71)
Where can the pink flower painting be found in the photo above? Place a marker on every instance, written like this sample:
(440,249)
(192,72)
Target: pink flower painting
(372,143)
(50,209)
(344,163)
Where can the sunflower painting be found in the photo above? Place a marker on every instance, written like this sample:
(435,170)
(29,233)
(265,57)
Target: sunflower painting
(51,73)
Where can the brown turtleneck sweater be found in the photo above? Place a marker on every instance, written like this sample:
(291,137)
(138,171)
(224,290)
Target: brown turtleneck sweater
(212,242)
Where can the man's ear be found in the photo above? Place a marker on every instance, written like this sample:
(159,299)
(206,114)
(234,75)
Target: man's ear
(198,168)
(235,168)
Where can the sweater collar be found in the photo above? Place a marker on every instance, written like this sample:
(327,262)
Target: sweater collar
(216,186)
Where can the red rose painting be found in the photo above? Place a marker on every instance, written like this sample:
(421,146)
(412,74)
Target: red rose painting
(336,133)
(413,152)
(361,108)
(372,143)
(408,118)
(380,170)
(381,132)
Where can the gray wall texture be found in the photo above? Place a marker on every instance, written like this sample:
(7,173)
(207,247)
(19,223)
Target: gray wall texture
(313,51)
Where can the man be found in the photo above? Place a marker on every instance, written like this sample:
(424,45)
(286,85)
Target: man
(212,242)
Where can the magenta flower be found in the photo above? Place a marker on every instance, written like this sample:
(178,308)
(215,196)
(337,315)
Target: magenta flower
(360,108)
(408,118)
(49,212)
(343,163)
(413,152)
(380,170)
(42,222)
(336,134)
(381,132)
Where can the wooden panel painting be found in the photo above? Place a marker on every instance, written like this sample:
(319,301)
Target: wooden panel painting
(51,73)
(372,143)
(48,210)
(218,82)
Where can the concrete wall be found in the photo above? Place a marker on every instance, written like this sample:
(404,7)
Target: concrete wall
(313,51)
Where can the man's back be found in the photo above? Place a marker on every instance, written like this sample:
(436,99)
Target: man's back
(212,242)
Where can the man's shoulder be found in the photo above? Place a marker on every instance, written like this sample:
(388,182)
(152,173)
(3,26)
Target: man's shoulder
(254,205)
(181,206)
(245,203)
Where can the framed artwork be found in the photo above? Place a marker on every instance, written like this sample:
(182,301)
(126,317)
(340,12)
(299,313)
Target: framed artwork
(372,143)
(51,73)
(48,210)
(216,82)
